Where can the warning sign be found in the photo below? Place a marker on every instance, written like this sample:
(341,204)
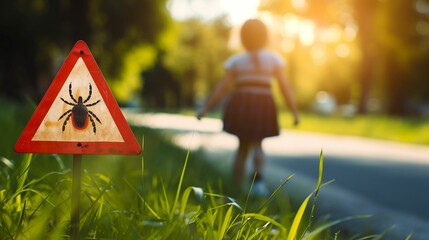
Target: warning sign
(78,114)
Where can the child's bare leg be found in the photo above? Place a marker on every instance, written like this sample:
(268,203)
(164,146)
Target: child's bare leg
(258,159)
(240,162)
(259,188)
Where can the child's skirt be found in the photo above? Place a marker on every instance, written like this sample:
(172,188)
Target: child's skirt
(251,114)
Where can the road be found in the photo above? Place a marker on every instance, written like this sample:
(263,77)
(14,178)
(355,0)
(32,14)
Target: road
(385,179)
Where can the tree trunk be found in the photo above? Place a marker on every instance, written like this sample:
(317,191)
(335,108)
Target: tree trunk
(364,17)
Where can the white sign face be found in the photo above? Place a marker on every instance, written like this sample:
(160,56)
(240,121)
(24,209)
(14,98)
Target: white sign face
(78,113)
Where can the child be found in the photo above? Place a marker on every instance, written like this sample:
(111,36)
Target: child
(250,113)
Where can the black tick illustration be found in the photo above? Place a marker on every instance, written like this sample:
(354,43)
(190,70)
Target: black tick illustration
(80,112)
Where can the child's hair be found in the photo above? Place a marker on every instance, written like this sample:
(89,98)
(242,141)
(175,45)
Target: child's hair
(254,34)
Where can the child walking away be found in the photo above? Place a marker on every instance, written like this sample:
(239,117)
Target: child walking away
(250,112)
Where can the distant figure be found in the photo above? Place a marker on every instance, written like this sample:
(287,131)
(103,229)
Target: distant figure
(250,113)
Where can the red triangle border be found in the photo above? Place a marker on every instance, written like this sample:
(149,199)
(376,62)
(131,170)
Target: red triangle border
(25,144)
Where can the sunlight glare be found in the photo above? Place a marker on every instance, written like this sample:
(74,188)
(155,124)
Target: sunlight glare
(299,4)
(291,25)
(318,54)
(331,34)
(287,45)
(237,11)
(296,27)
(422,7)
(342,50)
(306,32)
(350,32)
(422,28)
(240,10)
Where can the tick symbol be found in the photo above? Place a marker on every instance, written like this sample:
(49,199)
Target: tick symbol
(80,113)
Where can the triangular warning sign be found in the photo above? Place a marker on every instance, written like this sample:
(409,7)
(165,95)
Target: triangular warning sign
(78,114)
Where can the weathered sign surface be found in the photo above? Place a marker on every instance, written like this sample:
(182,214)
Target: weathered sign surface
(78,114)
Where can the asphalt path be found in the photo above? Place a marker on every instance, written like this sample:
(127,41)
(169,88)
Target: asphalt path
(387,180)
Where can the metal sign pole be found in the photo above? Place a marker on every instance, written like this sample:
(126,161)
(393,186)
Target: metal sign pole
(75,198)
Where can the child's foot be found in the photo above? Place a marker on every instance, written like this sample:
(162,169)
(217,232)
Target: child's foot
(259,189)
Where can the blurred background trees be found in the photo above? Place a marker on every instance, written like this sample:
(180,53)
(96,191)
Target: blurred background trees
(367,55)
(374,51)
(196,57)
(36,36)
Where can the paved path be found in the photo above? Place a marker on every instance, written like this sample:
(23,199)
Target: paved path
(388,180)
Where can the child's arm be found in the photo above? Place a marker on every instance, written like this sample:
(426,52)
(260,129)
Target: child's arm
(287,95)
(216,95)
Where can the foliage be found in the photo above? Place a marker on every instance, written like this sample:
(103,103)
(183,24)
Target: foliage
(13,119)
(144,197)
(397,129)
(129,83)
(200,48)
(37,35)
(385,57)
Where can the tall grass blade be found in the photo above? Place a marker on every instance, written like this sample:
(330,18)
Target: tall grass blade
(318,185)
(264,218)
(298,219)
(250,192)
(90,222)
(225,224)
(44,177)
(142,182)
(142,162)
(331,224)
(199,194)
(96,202)
(316,193)
(151,210)
(319,180)
(6,162)
(23,170)
(258,232)
(6,167)
(59,161)
(45,199)
(179,187)
(20,220)
(234,203)
(275,192)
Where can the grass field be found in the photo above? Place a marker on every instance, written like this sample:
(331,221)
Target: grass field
(166,193)
(406,130)
(170,196)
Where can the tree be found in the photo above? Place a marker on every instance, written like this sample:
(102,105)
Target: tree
(35,34)
(364,16)
(392,39)
(197,56)
(405,44)
(325,13)
(161,88)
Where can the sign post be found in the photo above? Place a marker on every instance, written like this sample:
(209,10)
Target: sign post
(75,197)
(78,115)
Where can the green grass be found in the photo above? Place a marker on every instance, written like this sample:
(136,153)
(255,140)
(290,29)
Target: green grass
(406,130)
(138,202)
(166,193)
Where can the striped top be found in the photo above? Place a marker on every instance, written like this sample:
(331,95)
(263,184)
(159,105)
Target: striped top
(253,74)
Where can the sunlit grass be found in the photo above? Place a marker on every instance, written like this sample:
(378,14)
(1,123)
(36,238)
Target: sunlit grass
(137,202)
(415,131)
(166,193)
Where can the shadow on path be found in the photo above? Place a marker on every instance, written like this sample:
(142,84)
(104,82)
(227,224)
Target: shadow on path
(400,186)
